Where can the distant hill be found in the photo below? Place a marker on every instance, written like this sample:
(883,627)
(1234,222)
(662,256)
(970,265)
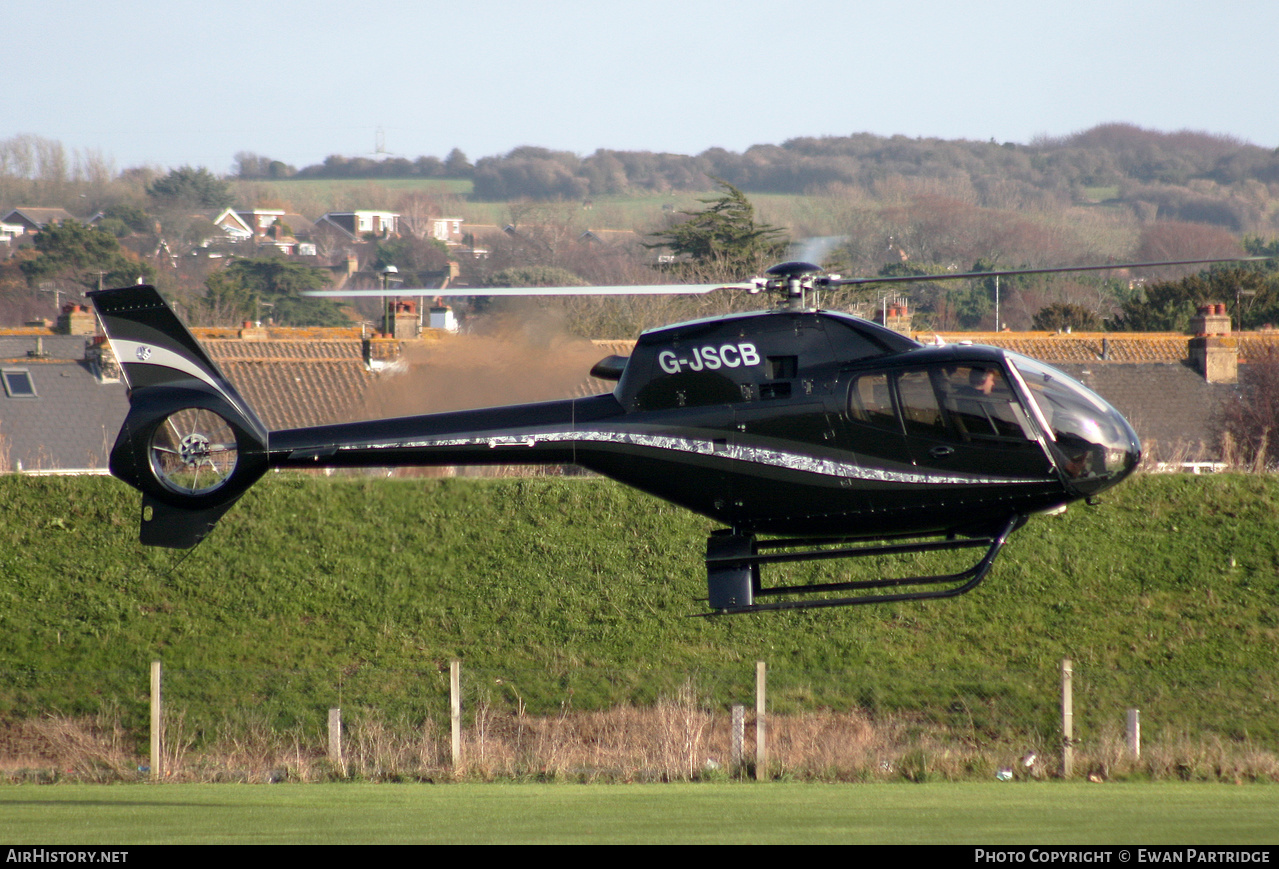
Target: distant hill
(1188,176)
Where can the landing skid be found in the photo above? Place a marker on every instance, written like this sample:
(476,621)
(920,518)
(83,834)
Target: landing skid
(733,564)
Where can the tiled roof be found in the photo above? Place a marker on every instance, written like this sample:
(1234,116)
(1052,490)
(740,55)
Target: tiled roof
(284,351)
(38,216)
(280,333)
(614,347)
(22,345)
(1057,348)
(292,384)
(296,393)
(1255,346)
(1082,347)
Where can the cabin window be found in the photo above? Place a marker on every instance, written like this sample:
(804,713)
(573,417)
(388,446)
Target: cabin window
(982,404)
(920,409)
(953,402)
(871,402)
(783,367)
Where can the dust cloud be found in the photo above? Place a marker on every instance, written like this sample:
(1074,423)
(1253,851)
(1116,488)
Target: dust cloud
(515,357)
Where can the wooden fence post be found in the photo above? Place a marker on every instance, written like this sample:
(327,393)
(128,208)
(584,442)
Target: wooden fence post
(738,736)
(1067,720)
(157,725)
(761,744)
(1134,732)
(455,707)
(335,736)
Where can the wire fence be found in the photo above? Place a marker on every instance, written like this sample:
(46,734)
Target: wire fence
(588,724)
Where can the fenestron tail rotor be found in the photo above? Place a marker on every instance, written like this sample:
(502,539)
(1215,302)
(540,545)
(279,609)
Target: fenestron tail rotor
(194,452)
(190,444)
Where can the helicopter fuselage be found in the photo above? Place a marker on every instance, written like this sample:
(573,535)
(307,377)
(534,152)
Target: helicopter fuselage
(782,422)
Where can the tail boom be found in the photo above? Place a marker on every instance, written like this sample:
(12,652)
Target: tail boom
(192,446)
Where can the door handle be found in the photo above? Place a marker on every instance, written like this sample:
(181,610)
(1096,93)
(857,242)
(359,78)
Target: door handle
(941,452)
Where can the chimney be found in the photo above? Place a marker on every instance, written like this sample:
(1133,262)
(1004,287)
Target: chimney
(897,317)
(253,331)
(401,322)
(76,320)
(102,362)
(1214,352)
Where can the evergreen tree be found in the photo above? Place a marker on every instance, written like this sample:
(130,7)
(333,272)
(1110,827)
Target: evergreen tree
(1167,306)
(84,254)
(722,241)
(246,286)
(191,188)
(1066,316)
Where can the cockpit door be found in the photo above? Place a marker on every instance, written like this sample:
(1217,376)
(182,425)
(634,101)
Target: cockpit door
(950,418)
(965,418)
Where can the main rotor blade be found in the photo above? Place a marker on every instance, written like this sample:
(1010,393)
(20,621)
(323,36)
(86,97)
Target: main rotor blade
(652,290)
(951,276)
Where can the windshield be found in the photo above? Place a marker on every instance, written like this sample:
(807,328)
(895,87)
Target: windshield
(1093,444)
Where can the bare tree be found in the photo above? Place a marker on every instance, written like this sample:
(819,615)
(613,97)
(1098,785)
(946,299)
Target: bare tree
(1246,426)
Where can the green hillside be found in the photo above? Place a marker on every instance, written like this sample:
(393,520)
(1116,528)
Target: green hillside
(316,592)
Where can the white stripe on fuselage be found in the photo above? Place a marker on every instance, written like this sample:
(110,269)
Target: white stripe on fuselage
(733,452)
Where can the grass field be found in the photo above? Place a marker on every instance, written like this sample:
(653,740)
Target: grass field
(640,211)
(779,813)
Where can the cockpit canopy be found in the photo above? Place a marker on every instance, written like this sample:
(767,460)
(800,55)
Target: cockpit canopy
(1093,445)
(997,403)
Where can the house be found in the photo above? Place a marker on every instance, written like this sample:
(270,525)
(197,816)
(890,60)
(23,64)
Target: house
(267,227)
(234,225)
(260,220)
(10,231)
(355,225)
(447,230)
(34,219)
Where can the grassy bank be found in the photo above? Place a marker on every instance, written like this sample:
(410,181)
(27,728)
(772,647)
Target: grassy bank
(576,594)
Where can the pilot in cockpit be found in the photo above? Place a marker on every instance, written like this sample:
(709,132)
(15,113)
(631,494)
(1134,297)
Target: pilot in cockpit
(984,403)
(982,382)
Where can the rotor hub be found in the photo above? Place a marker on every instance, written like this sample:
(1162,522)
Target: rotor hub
(793,280)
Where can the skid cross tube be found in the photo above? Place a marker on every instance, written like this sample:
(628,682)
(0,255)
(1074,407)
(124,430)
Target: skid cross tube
(745,566)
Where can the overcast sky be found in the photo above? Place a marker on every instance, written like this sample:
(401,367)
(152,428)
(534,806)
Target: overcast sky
(192,83)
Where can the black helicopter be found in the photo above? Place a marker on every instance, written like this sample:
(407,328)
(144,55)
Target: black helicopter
(809,434)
